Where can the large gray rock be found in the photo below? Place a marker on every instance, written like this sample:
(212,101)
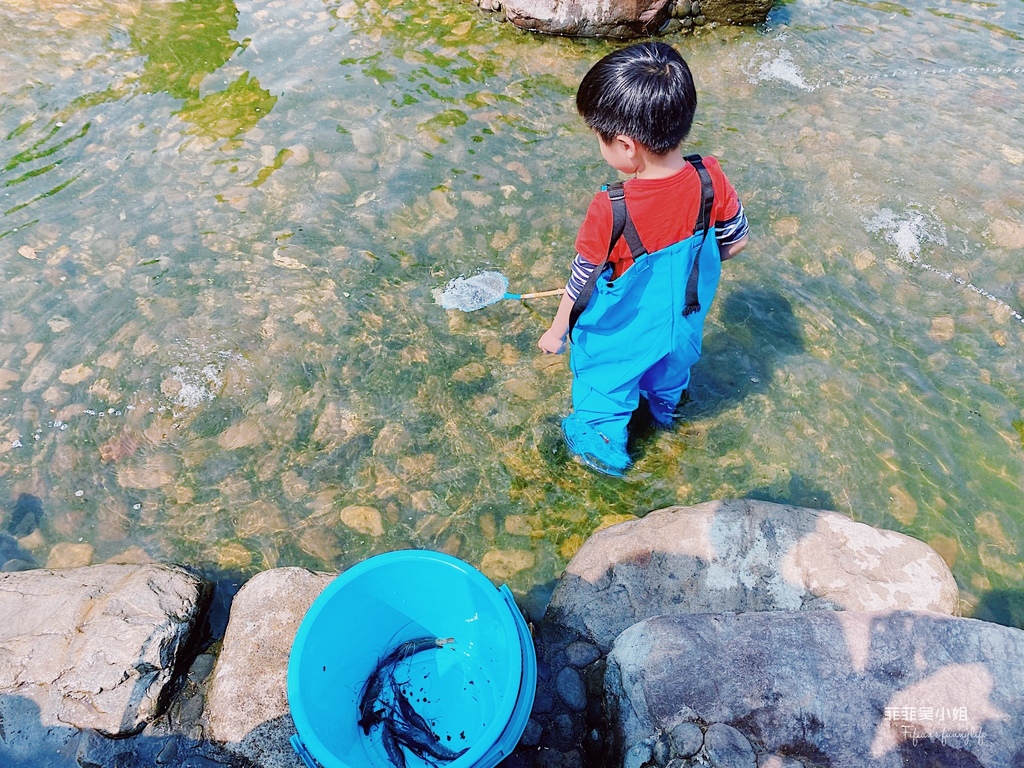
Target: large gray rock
(850,689)
(628,19)
(743,555)
(95,647)
(247,702)
(588,18)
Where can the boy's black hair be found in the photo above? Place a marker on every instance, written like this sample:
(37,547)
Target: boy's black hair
(645,92)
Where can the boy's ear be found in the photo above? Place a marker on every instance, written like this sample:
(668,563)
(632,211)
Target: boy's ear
(626,144)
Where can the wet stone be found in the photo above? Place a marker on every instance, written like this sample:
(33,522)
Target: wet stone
(725,747)
(531,734)
(201,667)
(168,752)
(564,730)
(96,751)
(638,756)
(363,519)
(661,750)
(687,739)
(191,709)
(543,701)
(569,685)
(580,654)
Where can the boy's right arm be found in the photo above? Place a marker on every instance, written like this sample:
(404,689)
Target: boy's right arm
(553,340)
(728,251)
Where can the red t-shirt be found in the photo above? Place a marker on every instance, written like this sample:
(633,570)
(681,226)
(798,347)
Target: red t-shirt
(663,211)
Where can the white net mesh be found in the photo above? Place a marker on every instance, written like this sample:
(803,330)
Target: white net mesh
(469,293)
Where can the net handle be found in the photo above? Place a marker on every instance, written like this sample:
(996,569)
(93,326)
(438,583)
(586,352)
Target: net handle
(535,295)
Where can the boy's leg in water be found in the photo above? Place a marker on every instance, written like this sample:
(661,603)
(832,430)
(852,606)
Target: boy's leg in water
(596,429)
(663,386)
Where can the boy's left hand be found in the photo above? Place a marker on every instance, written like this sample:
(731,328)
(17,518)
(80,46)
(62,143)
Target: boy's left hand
(552,342)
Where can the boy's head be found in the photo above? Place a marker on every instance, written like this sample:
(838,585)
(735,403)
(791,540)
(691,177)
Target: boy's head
(645,92)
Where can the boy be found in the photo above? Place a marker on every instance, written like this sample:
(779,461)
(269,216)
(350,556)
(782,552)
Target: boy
(641,299)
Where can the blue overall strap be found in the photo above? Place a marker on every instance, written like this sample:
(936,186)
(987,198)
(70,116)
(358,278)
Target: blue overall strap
(707,202)
(622,225)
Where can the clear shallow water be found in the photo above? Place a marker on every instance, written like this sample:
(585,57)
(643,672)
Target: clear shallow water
(222,225)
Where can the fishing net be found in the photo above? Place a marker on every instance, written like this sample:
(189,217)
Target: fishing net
(470,293)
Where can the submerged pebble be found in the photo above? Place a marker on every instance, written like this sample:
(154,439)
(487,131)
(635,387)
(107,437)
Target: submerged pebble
(363,519)
(69,555)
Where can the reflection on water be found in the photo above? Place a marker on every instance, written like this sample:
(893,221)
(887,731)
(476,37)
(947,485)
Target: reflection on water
(223,225)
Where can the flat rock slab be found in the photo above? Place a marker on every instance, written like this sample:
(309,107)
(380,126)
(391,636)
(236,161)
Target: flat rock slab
(743,555)
(839,688)
(94,647)
(247,703)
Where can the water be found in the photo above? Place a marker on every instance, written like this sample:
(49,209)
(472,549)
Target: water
(223,224)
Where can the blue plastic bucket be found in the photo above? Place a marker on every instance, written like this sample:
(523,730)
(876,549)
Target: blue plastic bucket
(476,691)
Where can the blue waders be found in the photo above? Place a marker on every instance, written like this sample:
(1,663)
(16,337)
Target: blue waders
(639,334)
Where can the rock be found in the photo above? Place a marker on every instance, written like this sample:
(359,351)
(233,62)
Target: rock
(687,739)
(638,756)
(336,426)
(502,564)
(531,734)
(247,701)
(743,555)
(580,654)
(244,434)
(588,18)
(69,555)
(879,689)
(735,11)
(131,556)
(95,647)
(570,688)
(636,18)
(725,747)
(363,519)
(778,761)
(95,751)
(201,668)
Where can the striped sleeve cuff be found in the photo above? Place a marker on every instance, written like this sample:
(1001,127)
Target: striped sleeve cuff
(733,230)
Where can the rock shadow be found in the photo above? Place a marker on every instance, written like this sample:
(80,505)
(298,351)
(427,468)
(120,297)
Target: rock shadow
(27,742)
